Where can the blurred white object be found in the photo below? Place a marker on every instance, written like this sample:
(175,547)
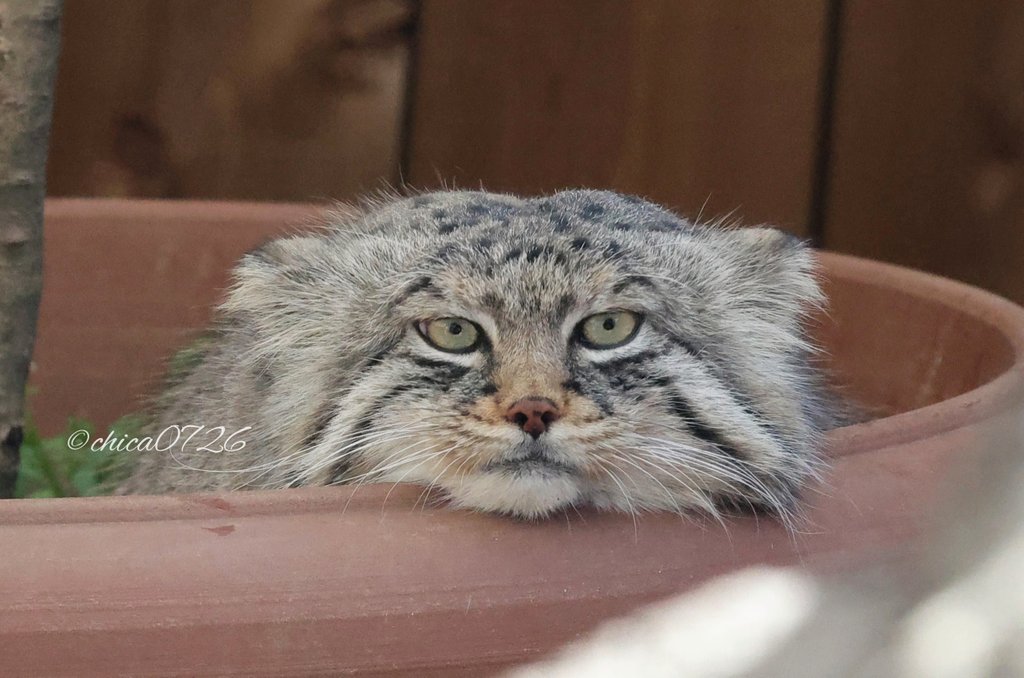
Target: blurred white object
(723,629)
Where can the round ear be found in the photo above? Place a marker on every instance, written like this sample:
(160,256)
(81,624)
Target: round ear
(266,279)
(284,254)
(777,271)
(293,290)
(766,238)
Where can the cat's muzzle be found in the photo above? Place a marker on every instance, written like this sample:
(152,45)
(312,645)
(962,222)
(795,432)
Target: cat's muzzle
(533,456)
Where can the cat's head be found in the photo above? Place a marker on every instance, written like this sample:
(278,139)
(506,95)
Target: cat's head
(526,355)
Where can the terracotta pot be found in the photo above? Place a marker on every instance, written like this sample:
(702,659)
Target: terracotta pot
(330,580)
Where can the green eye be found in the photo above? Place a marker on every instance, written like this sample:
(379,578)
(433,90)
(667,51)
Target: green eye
(608,330)
(455,335)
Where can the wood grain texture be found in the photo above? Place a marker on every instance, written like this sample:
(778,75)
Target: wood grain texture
(928,160)
(681,102)
(223,99)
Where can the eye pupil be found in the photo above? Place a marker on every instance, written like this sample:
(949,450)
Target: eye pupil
(455,328)
(608,324)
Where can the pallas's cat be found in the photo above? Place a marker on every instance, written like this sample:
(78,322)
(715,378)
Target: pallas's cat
(520,355)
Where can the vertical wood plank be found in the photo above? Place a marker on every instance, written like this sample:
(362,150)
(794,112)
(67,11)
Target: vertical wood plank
(928,161)
(222,99)
(684,102)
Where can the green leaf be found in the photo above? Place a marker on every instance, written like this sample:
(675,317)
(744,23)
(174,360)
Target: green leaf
(49,468)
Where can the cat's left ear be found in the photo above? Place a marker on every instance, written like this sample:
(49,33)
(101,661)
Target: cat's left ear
(779,270)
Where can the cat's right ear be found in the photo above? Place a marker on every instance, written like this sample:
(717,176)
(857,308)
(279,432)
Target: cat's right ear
(272,273)
(285,253)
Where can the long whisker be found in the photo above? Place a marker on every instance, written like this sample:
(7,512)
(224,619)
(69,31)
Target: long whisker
(671,497)
(717,463)
(625,494)
(430,485)
(377,471)
(720,467)
(706,505)
(308,470)
(360,444)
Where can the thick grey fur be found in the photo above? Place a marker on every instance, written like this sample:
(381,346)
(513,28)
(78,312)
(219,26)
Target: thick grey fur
(716,402)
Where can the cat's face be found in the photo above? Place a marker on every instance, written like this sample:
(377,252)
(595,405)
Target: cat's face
(527,356)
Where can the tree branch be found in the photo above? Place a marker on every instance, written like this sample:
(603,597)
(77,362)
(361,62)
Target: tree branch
(29,44)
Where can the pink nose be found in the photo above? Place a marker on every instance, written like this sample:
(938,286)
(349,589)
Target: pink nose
(533,415)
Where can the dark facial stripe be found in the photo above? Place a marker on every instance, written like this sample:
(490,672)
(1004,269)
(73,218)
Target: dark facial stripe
(321,422)
(632,281)
(421,284)
(626,360)
(783,494)
(573,385)
(443,375)
(725,377)
(450,370)
(565,303)
(329,409)
(493,302)
(600,399)
(363,424)
(683,409)
(685,344)
(629,372)
(378,357)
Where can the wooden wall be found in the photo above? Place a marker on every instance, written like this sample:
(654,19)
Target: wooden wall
(890,130)
(927,163)
(258,99)
(646,97)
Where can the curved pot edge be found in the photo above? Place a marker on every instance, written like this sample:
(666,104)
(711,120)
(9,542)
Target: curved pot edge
(989,399)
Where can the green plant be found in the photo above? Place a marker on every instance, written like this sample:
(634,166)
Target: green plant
(51,467)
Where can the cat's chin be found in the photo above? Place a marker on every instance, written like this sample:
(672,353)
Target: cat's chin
(531,494)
